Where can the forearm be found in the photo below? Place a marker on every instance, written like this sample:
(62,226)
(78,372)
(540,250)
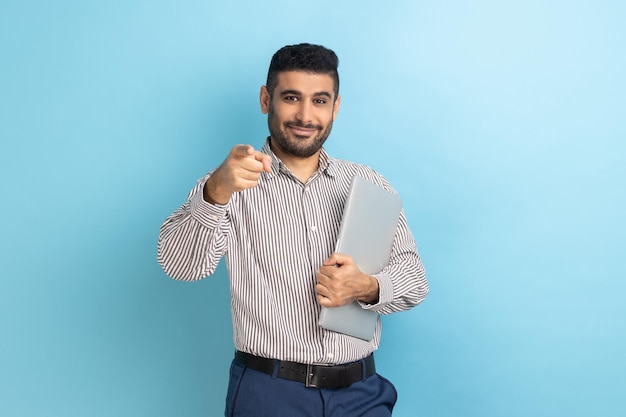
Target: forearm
(193,239)
(214,191)
(371,290)
(402,283)
(402,286)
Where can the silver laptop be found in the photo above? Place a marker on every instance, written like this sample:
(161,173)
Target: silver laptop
(367,230)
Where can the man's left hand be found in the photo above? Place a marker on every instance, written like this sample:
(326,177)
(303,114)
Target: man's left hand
(340,281)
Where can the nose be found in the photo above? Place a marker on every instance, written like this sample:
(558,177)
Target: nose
(305,112)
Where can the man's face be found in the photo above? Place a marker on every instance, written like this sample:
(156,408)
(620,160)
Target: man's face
(301,111)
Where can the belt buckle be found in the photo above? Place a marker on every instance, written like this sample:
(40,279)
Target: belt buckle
(309,377)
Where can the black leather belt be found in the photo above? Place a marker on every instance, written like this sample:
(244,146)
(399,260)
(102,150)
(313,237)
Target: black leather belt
(320,376)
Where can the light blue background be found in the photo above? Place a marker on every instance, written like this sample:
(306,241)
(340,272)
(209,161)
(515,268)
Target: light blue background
(501,124)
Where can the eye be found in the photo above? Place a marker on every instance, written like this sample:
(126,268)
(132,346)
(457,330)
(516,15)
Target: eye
(320,101)
(290,98)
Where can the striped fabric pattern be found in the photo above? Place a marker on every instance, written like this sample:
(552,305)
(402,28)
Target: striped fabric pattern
(274,237)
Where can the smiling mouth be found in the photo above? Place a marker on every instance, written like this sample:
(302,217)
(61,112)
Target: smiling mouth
(304,131)
(299,131)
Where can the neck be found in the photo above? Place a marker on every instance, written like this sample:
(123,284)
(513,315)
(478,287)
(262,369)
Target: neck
(302,167)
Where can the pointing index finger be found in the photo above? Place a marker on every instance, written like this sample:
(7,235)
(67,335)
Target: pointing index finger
(243,151)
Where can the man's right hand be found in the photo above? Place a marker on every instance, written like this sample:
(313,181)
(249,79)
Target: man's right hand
(241,170)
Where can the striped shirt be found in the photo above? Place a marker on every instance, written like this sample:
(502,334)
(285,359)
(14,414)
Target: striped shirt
(275,236)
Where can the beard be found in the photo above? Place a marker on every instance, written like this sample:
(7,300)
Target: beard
(301,146)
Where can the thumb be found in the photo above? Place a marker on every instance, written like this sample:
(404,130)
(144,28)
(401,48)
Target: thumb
(331,260)
(265,159)
(338,259)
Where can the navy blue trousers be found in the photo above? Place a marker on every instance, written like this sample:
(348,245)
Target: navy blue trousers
(255,394)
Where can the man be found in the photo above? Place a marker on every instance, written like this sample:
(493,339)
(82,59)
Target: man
(275,215)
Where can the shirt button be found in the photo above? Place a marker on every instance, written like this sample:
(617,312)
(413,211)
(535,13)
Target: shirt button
(330,355)
(215,218)
(313,228)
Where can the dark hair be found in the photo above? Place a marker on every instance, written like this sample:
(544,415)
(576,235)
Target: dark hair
(303,57)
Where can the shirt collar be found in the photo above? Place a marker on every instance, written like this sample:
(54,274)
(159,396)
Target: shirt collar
(326,164)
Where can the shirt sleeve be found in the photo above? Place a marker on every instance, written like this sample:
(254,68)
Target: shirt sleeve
(402,283)
(193,239)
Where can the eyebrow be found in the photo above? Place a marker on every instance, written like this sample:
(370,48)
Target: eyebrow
(298,93)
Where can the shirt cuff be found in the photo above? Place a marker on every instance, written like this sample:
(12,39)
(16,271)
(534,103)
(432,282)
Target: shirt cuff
(207,214)
(385,293)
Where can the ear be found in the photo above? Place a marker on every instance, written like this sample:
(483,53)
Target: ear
(264,98)
(336,107)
